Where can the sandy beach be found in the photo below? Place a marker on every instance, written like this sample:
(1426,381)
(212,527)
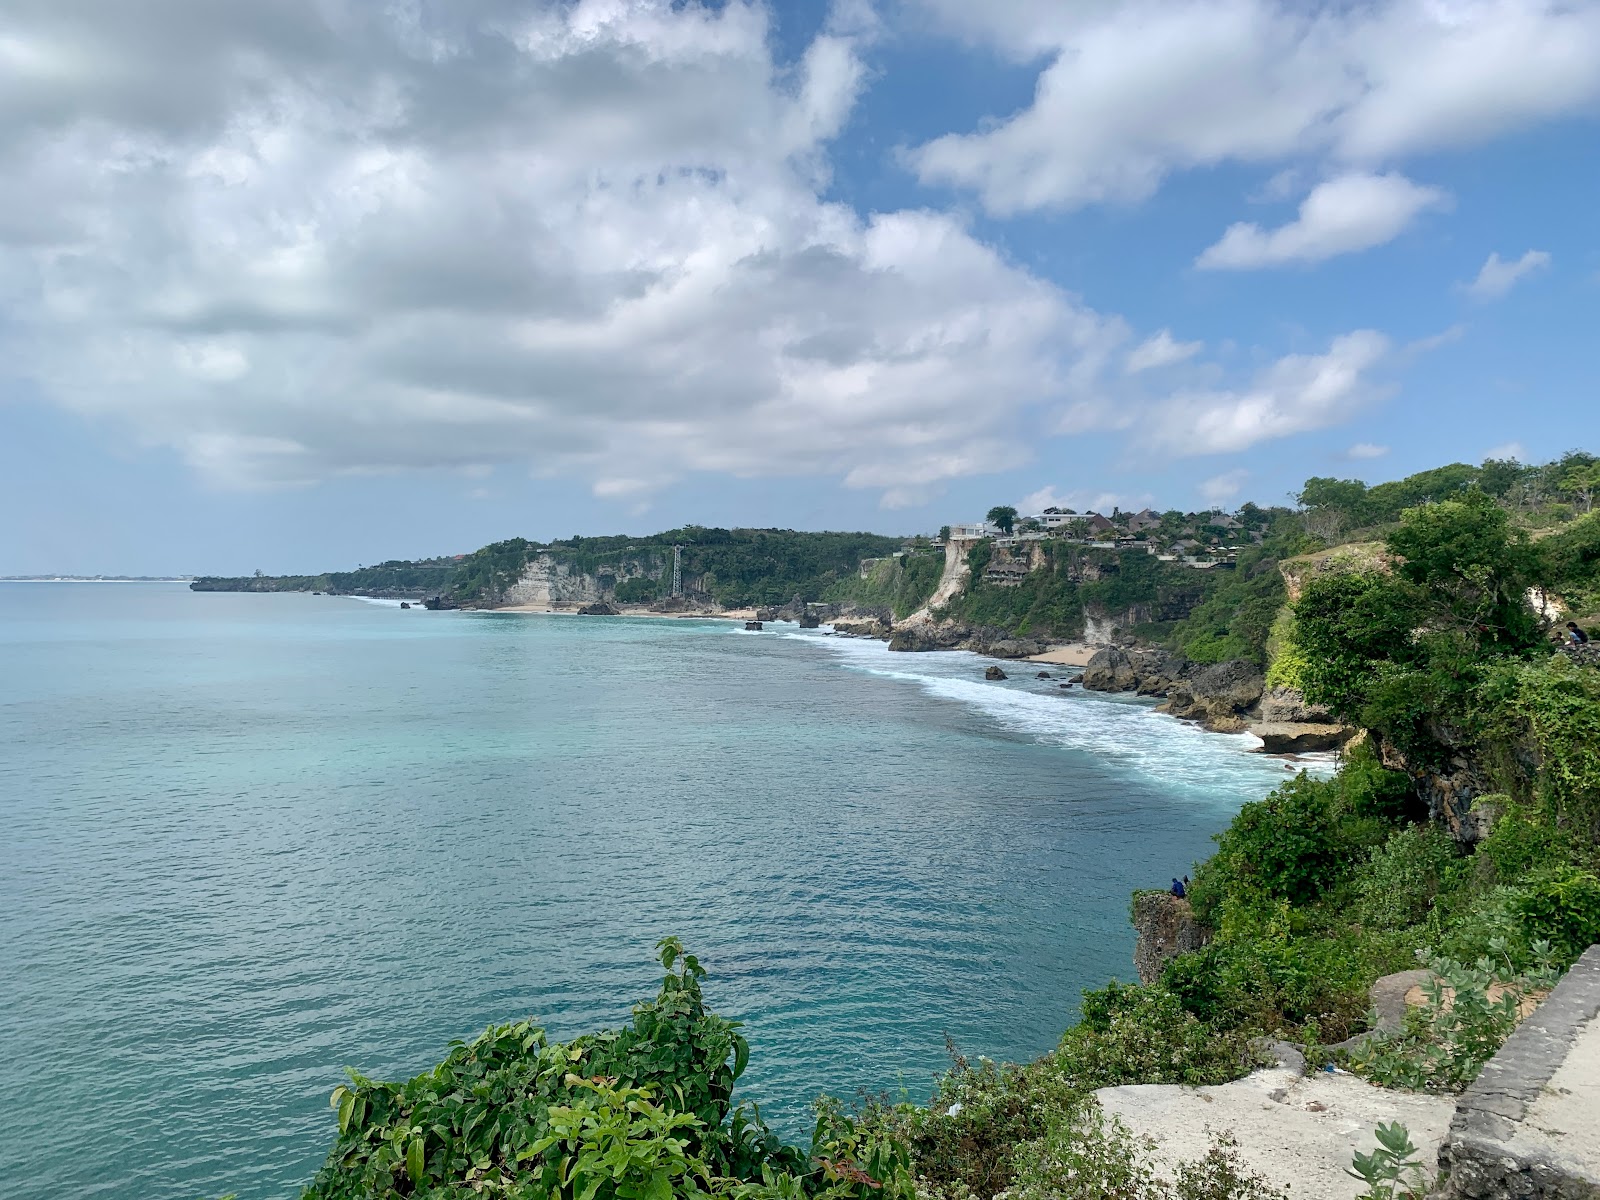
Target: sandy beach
(1072,654)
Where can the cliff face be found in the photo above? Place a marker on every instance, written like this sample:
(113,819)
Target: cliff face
(1164,927)
(549,582)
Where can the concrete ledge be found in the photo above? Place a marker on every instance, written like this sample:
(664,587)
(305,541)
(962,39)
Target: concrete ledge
(1529,1126)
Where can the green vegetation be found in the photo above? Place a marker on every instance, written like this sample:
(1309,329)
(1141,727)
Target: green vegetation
(1003,517)
(902,583)
(429,577)
(734,567)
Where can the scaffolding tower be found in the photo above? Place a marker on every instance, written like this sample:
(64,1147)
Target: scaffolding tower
(677,570)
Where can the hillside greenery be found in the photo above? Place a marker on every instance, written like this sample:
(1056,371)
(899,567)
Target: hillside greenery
(733,567)
(427,577)
(902,583)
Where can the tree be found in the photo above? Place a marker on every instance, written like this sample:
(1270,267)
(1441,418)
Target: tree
(944,533)
(1003,517)
(1474,570)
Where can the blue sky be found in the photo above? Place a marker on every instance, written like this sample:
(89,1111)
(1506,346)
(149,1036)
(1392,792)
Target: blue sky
(299,284)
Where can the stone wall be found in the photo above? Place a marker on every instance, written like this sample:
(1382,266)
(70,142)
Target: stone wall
(1529,1126)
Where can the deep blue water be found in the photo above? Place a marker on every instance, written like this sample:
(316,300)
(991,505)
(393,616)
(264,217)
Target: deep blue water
(248,840)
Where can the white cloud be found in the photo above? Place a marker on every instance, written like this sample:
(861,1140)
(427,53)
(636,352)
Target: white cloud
(1497,276)
(1353,212)
(1298,393)
(1514,450)
(1082,500)
(1160,351)
(1219,489)
(295,239)
(1132,92)
(1362,450)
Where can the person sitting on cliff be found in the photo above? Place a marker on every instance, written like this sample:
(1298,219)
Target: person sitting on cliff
(1177,888)
(1578,636)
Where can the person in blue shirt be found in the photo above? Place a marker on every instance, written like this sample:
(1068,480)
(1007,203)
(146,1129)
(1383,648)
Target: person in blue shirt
(1177,888)
(1578,636)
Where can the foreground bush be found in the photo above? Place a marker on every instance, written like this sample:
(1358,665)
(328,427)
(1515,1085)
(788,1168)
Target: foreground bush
(641,1113)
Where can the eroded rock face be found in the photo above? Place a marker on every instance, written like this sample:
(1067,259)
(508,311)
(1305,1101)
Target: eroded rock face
(923,637)
(601,609)
(1109,671)
(1299,737)
(863,629)
(1217,696)
(1164,927)
(1288,706)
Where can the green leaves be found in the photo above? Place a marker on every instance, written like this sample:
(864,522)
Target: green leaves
(1391,1171)
(640,1113)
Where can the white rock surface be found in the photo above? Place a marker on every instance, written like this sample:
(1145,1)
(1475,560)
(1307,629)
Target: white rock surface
(1297,1131)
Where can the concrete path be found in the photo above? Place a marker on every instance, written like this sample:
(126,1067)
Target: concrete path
(1297,1131)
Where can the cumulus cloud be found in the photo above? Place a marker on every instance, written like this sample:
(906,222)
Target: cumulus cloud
(1354,212)
(1363,450)
(1295,394)
(1219,489)
(1497,276)
(1132,92)
(301,238)
(1082,500)
(1160,350)
(1512,450)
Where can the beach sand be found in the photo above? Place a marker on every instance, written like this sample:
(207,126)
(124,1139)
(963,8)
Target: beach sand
(1072,654)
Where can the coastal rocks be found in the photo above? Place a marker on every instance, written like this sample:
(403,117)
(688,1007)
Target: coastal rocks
(872,628)
(1109,671)
(1216,695)
(810,620)
(1148,671)
(1164,927)
(1287,706)
(601,609)
(1042,675)
(921,638)
(994,673)
(1299,737)
(993,644)
(766,614)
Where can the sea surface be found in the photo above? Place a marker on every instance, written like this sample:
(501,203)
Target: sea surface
(247,840)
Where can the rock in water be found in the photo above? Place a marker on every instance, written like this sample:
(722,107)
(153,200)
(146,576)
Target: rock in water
(1042,675)
(994,673)
(809,620)
(1300,737)
(1217,695)
(1109,671)
(601,609)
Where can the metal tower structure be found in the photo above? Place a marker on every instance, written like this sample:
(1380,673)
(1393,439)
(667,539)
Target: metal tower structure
(677,570)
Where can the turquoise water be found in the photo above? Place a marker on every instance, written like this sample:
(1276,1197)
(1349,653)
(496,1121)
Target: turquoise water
(252,839)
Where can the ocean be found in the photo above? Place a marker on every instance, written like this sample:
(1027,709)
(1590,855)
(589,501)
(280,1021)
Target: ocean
(252,839)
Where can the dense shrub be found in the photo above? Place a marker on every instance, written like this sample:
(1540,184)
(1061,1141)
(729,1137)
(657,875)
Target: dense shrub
(621,1115)
(1443,1044)
(1143,1035)
(1561,906)
(1398,885)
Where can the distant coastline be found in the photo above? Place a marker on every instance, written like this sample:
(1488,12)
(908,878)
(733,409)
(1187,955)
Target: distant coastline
(97,578)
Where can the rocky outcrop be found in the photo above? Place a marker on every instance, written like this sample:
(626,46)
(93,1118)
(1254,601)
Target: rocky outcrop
(994,673)
(1299,737)
(602,609)
(1217,696)
(870,628)
(1288,706)
(1148,671)
(1164,927)
(952,635)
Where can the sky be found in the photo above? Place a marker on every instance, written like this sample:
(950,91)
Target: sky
(296,285)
